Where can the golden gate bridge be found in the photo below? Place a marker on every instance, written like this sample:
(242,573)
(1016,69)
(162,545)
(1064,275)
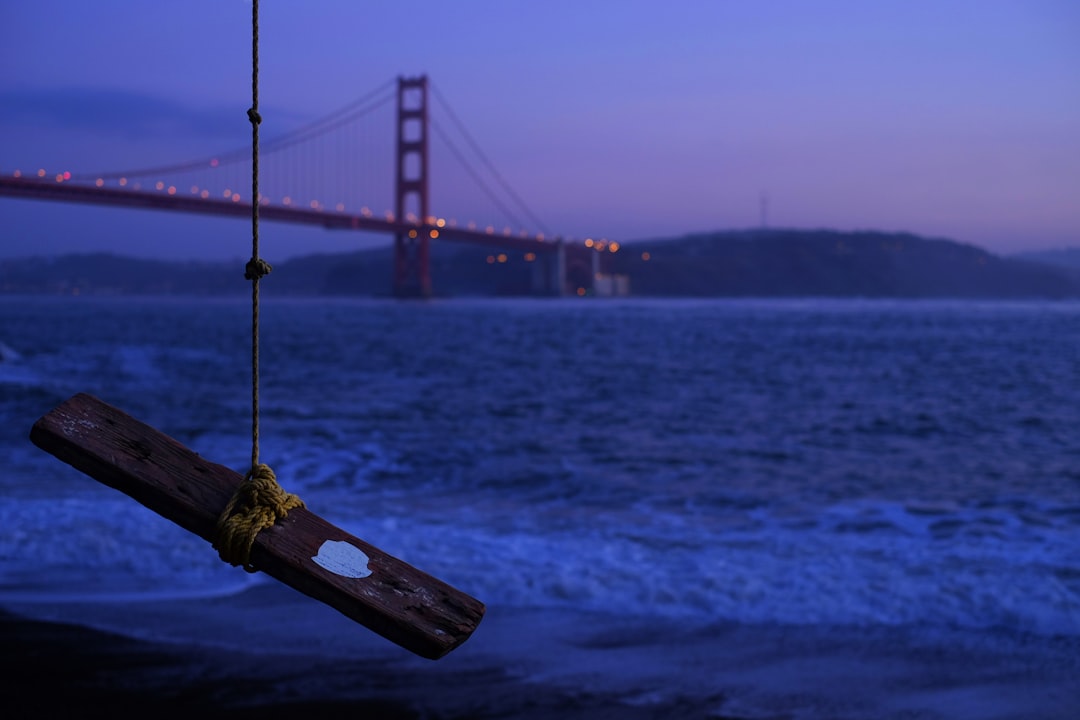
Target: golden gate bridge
(324,174)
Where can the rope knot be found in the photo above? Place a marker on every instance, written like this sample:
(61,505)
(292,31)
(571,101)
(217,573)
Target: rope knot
(254,116)
(256,269)
(257,504)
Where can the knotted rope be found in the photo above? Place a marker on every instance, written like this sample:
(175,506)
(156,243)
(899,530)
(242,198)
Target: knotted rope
(259,501)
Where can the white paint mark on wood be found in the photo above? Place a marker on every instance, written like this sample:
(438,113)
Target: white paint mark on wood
(72,426)
(342,558)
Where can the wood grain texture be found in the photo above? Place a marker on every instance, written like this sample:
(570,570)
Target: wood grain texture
(403,604)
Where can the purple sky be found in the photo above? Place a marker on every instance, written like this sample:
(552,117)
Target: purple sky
(627,119)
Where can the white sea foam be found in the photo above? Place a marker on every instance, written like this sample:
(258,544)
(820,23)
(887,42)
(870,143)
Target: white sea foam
(107,549)
(8,354)
(884,575)
(15,370)
(858,563)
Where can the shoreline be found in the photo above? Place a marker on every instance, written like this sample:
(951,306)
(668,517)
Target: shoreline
(57,669)
(301,657)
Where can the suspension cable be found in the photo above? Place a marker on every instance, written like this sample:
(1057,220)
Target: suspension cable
(491,167)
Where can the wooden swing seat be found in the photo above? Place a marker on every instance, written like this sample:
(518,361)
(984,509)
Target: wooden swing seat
(390,597)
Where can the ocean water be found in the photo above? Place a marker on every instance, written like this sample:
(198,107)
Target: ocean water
(866,467)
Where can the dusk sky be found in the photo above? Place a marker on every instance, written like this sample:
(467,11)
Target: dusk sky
(627,120)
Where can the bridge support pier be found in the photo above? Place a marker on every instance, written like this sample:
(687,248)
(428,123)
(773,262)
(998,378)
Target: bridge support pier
(412,263)
(549,272)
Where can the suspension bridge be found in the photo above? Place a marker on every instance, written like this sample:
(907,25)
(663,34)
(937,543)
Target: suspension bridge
(331,173)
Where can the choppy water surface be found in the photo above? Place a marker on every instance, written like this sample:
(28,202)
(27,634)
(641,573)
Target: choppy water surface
(806,462)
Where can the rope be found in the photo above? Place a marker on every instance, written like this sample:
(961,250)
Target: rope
(256,268)
(259,501)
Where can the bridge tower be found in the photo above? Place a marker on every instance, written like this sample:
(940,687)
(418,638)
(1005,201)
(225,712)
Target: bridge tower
(412,269)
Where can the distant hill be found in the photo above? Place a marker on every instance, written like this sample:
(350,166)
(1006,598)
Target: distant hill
(759,263)
(1062,257)
(826,263)
(106,274)
(456,270)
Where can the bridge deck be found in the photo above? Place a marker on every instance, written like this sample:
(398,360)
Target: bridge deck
(35,189)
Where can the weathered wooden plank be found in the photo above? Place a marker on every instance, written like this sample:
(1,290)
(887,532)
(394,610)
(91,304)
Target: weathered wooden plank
(396,600)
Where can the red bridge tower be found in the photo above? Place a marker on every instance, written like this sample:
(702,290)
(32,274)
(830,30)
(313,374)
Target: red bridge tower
(412,271)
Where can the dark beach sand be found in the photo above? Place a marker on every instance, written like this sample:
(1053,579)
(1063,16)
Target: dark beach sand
(310,662)
(56,670)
